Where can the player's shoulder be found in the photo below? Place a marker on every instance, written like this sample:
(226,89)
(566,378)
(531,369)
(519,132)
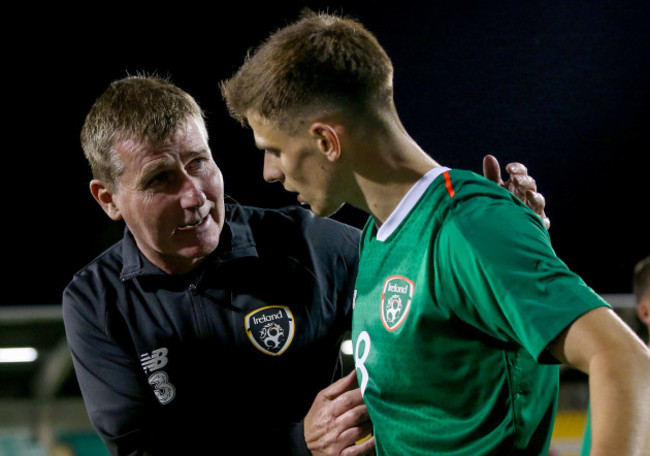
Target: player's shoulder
(465,183)
(468,192)
(479,206)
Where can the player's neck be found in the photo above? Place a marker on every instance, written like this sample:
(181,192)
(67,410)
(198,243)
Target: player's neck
(387,172)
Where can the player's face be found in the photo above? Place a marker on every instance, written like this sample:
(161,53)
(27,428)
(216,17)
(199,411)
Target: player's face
(171,197)
(295,161)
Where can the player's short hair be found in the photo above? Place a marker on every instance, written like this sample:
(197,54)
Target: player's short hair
(319,63)
(140,107)
(641,279)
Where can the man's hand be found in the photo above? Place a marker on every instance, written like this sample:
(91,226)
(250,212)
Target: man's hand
(520,184)
(338,419)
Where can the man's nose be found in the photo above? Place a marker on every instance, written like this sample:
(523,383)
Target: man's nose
(272,171)
(191,194)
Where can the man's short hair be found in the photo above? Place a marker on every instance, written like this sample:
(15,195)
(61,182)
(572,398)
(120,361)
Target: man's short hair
(320,62)
(141,107)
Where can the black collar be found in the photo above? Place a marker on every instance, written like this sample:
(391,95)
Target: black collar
(236,241)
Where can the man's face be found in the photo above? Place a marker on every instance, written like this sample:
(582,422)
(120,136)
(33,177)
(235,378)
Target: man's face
(170,196)
(297,162)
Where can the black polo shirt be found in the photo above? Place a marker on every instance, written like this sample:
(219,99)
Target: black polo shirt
(224,360)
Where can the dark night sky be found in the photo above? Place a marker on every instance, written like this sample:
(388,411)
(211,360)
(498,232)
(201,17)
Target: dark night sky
(561,86)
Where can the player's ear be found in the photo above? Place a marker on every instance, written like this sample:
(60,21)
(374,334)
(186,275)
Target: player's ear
(327,138)
(643,311)
(105,197)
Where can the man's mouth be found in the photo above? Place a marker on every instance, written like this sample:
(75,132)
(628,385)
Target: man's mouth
(191,226)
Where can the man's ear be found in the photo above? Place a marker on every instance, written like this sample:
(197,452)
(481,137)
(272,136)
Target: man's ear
(643,311)
(104,196)
(329,142)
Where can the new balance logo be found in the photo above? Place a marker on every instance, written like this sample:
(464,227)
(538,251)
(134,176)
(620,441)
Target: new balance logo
(159,379)
(157,359)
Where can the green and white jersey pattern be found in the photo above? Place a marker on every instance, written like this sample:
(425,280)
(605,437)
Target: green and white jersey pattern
(457,298)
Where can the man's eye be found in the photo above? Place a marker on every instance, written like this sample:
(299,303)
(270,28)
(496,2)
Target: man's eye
(158,179)
(197,163)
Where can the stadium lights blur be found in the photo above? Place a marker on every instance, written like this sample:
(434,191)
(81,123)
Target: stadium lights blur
(18,355)
(346,347)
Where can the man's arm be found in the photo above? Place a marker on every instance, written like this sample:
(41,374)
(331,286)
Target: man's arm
(601,345)
(112,390)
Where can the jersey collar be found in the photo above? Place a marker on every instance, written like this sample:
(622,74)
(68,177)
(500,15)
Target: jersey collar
(407,203)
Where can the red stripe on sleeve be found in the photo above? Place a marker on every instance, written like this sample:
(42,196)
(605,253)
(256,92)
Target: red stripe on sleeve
(450,189)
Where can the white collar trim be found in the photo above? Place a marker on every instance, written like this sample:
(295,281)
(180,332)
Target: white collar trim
(406,204)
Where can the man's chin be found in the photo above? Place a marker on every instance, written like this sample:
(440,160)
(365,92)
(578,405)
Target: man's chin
(198,252)
(189,257)
(325,212)
(182,264)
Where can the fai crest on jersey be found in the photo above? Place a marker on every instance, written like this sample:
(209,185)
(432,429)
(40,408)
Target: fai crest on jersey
(396,300)
(270,329)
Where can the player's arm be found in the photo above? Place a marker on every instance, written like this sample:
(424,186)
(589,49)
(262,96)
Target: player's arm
(520,184)
(601,345)
(338,419)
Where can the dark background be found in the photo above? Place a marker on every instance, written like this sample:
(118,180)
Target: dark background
(561,86)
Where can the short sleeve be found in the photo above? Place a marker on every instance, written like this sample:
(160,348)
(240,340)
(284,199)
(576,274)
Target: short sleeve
(508,279)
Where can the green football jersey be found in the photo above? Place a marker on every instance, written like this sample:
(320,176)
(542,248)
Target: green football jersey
(455,305)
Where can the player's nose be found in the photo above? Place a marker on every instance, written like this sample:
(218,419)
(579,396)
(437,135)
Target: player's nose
(272,170)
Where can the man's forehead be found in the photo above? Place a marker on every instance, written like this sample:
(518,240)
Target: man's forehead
(266,133)
(261,131)
(190,128)
(141,156)
(190,135)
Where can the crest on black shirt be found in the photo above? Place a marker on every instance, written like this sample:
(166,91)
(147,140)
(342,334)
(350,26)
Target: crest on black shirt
(270,329)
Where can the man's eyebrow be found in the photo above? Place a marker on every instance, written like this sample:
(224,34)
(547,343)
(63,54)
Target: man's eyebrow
(161,164)
(263,146)
(149,170)
(197,153)
(260,143)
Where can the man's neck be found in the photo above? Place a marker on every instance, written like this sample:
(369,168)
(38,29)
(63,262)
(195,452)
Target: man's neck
(386,174)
